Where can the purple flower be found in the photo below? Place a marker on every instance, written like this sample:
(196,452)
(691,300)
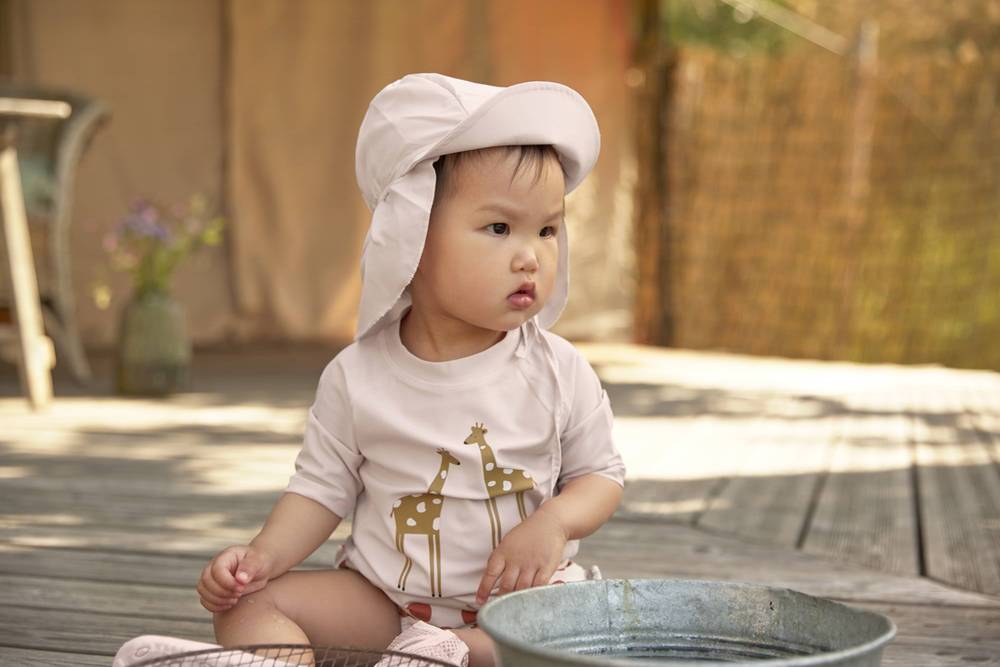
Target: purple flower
(144,225)
(149,213)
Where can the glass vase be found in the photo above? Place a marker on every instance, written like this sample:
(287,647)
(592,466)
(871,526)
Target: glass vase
(154,351)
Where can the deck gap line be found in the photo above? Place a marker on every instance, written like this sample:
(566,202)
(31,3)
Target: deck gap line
(986,439)
(817,493)
(713,493)
(97,612)
(918,523)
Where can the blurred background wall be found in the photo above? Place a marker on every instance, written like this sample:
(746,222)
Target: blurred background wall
(257,104)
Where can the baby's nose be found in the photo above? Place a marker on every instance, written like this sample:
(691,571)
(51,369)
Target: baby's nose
(526,260)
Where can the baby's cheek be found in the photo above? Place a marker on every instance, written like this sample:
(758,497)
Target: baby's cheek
(546,285)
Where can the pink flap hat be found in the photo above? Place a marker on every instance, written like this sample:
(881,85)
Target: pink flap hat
(411,123)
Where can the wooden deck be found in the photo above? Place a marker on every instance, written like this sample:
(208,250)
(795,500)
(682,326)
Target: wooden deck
(876,486)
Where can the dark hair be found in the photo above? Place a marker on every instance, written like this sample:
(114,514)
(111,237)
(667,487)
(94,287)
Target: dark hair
(527,156)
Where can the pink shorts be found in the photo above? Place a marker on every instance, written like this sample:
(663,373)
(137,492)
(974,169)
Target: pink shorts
(450,618)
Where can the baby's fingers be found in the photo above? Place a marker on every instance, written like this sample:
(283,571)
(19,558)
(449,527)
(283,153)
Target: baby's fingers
(222,573)
(494,568)
(208,585)
(213,606)
(212,586)
(508,582)
(525,579)
(543,577)
(214,601)
(254,586)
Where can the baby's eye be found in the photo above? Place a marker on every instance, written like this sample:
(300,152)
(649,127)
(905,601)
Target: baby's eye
(552,231)
(499,228)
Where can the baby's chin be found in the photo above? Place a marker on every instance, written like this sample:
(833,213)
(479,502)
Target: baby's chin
(516,318)
(507,319)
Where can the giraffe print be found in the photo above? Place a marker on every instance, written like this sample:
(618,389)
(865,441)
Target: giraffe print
(420,514)
(499,481)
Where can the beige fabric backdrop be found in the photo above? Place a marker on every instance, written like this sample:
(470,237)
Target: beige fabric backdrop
(258,102)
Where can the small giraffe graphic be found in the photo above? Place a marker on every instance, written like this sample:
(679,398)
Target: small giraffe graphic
(420,514)
(499,481)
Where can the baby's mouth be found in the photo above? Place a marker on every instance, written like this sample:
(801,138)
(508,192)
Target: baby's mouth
(522,298)
(526,288)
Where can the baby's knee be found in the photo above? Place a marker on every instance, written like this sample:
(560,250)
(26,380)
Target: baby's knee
(246,607)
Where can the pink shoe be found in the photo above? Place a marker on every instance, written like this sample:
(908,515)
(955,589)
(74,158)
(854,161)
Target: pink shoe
(147,648)
(427,641)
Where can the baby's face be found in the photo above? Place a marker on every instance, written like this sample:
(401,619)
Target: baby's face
(488,237)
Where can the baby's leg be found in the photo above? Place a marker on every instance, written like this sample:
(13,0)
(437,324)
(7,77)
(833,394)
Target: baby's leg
(480,646)
(322,607)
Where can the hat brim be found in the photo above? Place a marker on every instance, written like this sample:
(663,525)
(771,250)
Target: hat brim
(534,112)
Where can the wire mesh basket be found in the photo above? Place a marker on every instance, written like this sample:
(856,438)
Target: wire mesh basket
(286,655)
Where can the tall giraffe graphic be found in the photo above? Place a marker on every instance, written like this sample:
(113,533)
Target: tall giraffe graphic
(420,514)
(499,481)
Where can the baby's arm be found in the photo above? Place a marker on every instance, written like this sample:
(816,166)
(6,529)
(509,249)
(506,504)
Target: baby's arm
(296,527)
(584,505)
(530,553)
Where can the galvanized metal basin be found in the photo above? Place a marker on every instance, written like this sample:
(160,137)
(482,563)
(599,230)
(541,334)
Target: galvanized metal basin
(676,622)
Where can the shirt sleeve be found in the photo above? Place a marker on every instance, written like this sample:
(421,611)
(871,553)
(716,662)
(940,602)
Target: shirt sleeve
(327,467)
(587,443)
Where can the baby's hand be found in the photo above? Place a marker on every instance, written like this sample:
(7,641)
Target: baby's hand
(233,573)
(526,557)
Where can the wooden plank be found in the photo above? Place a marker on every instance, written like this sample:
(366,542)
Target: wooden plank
(171,511)
(138,600)
(770,495)
(866,513)
(675,466)
(188,541)
(959,488)
(86,632)
(934,651)
(156,569)
(151,480)
(982,409)
(19,657)
(938,636)
(139,463)
(658,550)
(679,501)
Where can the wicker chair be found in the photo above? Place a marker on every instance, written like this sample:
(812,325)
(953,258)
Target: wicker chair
(48,152)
